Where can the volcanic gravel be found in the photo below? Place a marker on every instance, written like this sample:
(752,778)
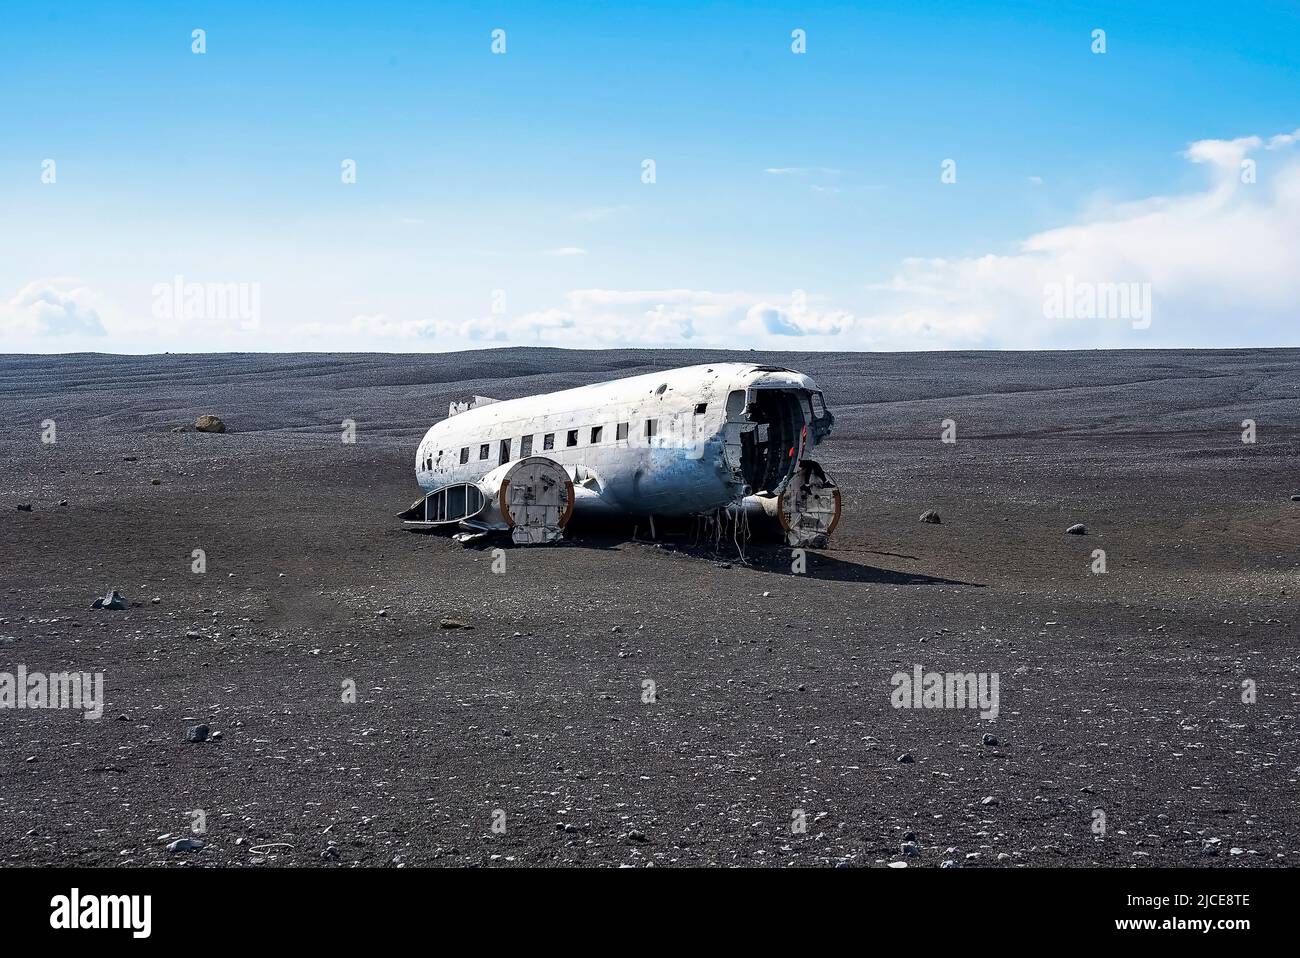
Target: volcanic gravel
(1120,692)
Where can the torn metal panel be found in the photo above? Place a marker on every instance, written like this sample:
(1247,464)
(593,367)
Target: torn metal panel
(465,405)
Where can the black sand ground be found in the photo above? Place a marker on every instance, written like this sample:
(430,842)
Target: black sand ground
(1120,692)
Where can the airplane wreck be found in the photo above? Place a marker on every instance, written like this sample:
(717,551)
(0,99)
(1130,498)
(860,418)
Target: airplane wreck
(721,440)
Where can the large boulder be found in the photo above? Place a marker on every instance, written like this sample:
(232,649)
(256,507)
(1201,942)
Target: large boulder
(209,423)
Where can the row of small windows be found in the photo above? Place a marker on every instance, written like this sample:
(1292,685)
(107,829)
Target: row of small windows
(597,433)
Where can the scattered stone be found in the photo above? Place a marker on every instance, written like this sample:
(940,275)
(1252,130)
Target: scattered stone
(330,854)
(209,423)
(910,849)
(218,736)
(1078,529)
(179,429)
(185,845)
(1295,498)
(1003,857)
(637,837)
(931,517)
(988,800)
(197,733)
(906,758)
(990,739)
(155,600)
(382,613)
(155,482)
(949,863)
(63,502)
(112,600)
(24,507)
(449,623)
(191,634)
(898,864)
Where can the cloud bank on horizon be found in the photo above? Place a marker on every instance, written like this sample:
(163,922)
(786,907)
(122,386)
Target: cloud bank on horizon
(555,199)
(1222,265)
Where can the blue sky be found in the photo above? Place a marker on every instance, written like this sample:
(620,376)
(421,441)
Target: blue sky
(499,198)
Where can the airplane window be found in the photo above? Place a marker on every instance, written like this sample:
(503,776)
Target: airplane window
(525,447)
(818,405)
(572,438)
(548,441)
(595,434)
(700,407)
(651,428)
(505,450)
(464,455)
(621,432)
(483,450)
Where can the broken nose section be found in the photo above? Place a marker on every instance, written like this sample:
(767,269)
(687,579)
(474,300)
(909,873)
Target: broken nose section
(804,514)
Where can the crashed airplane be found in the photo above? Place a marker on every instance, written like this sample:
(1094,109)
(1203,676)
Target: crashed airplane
(721,440)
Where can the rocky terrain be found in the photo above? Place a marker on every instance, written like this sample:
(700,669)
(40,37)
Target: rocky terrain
(525,740)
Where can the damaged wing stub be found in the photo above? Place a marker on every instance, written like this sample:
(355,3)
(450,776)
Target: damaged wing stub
(692,442)
(532,499)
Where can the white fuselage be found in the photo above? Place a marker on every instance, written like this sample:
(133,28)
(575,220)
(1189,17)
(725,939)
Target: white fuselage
(675,442)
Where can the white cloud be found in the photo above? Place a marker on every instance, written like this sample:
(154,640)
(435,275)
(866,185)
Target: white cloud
(365,328)
(665,317)
(1222,263)
(1281,140)
(1223,266)
(52,308)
